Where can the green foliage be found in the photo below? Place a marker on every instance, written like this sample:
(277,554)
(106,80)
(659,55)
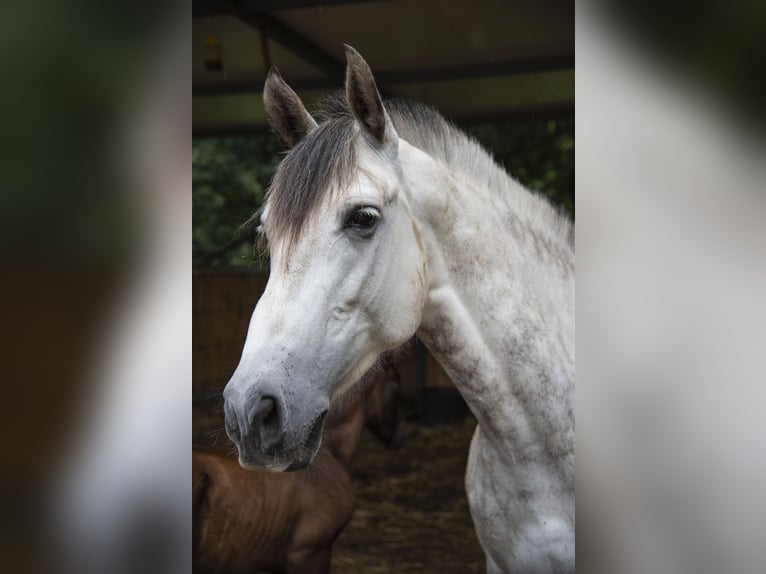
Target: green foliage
(231,175)
(229,179)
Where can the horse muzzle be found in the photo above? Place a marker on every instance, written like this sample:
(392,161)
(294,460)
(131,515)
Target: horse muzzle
(267,434)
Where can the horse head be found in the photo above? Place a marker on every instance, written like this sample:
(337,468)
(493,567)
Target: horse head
(348,271)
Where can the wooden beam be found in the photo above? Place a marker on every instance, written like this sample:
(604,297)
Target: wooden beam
(255,86)
(559,110)
(206,8)
(276,31)
(483,70)
(230,131)
(552,111)
(277,5)
(294,42)
(393,77)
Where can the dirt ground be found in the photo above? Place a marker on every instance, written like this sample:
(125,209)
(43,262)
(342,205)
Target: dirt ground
(411,511)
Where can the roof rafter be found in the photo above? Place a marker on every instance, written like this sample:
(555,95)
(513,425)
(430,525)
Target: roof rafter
(393,77)
(254,14)
(294,42)
(560,110)
(203,8)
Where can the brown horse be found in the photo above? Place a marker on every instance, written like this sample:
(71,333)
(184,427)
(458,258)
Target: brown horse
(247,521)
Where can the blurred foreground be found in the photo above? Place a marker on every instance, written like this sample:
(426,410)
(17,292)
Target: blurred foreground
(96,287)
(671,313)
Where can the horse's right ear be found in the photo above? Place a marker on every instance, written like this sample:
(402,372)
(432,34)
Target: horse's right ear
(285,110)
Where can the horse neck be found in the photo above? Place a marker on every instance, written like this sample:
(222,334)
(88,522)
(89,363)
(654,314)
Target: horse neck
(499,314)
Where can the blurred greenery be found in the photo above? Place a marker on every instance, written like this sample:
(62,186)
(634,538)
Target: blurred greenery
(231,175)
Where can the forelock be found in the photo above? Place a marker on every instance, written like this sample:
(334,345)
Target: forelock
(322,161)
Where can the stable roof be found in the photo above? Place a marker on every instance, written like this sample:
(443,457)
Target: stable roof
(479,60)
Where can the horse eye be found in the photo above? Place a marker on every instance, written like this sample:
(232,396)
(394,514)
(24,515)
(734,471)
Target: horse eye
(362,218)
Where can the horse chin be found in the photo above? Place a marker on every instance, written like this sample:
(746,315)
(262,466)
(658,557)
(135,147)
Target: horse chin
(287,464)
(297,459)
(308,451)
(272,466)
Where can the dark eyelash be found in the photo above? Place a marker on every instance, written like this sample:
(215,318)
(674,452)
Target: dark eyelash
(362,217)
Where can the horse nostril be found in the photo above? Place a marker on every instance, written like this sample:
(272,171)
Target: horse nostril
(271,418)
(231,425)
(267,421)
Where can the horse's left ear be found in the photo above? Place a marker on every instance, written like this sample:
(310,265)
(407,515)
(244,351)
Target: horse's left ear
(365,102)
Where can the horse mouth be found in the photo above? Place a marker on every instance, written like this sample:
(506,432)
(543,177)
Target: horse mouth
(308,450)
(296,458)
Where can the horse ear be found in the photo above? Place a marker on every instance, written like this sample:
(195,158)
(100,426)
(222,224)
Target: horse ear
(285,110)
(364,99)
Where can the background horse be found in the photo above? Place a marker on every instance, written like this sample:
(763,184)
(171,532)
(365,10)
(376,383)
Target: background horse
(247,521)
(384,222)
